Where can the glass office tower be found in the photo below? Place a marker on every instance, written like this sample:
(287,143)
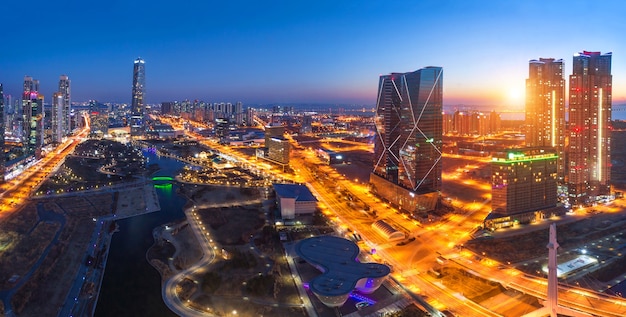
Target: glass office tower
(407,152)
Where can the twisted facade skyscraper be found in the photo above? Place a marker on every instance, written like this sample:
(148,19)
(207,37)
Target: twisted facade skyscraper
(407,151)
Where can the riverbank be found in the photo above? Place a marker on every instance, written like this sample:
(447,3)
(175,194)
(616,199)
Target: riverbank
(53,250)
(136,199)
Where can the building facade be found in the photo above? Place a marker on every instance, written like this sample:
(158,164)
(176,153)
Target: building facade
(3,158)
(589,167)
(523,186)
(138,108)
(407,151)
(65,118)
(277,148)
(523,180)
(545,108)
(32,112)
(294,201)
(58,119)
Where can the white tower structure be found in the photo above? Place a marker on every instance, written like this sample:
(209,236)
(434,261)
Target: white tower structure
(551,307)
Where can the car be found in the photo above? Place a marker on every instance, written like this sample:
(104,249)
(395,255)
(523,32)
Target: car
(361,305)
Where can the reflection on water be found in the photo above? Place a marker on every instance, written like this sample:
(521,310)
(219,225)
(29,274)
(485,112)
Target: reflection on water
(131,286)
(164,189)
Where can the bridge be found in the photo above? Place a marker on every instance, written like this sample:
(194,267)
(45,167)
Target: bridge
(163,181)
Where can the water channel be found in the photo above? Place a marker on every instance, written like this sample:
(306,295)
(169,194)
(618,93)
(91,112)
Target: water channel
(131,286)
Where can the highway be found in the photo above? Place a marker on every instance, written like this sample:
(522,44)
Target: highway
(17,190)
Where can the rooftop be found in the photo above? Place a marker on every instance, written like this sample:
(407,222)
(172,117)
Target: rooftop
(299,192)
(338,259)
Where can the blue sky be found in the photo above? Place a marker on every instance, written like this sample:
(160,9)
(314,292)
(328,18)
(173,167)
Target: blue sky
(297,51)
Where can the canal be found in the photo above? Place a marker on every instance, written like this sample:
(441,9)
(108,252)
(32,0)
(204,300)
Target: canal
(131,286)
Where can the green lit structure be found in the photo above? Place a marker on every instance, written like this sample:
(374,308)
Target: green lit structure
(523,186)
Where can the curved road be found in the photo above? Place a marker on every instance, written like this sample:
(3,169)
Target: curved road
(168,291)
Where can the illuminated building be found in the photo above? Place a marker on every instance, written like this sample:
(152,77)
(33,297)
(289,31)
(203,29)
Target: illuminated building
(545,108)
(58,107)
(407,151)
(329,157)
(250,117)
(294,201)
(448,123)
(221,129)
(276,146)
(337,259)
(589,167)
(238,113)
(307,124)
(32,112)
(523,183)
(474,123)
(495,122)
(138,108)
(387,231)
(65,117)
(2,155)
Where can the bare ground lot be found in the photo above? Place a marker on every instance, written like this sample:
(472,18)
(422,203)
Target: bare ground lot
(46,288)
(529,251)
(486,293)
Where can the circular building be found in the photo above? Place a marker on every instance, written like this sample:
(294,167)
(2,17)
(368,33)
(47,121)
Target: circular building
(342,272)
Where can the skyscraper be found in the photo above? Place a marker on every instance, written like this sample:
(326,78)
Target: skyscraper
(407,152)
(58,118)
(32,112)
(65,119)
(2,156)
(545,108)
(590,100)
(138,108)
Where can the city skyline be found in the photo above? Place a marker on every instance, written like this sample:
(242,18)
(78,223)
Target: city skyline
(322,52)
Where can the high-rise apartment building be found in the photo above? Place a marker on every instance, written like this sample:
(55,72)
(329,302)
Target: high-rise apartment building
(238,113)
(590,87)
(250,113)
(545,108)
(32,112)
(58,118)
(65,119)
(407,152)
(2,128)
(138,108)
